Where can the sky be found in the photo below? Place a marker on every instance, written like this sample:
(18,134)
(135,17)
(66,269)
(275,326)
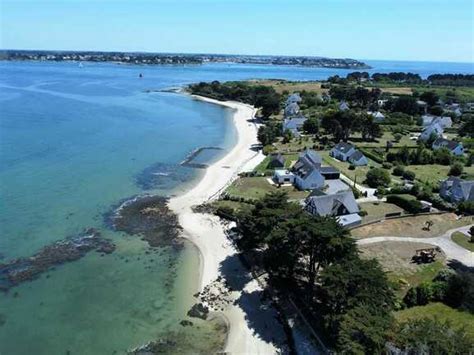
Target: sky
(424,30)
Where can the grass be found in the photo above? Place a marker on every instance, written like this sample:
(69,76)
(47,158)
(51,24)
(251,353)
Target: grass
(262,167)
(291,86)
(257,187)
(462,240)
(442,312)
(432,173)
(358,174)
(396,260)
(413,226)
(377,210)
(382,141)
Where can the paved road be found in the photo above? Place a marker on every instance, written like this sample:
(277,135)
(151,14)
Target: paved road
(450,248)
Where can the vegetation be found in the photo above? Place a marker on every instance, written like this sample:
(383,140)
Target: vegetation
(408,204)
(463,240)
(377,177)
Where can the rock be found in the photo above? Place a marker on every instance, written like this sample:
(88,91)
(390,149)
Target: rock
(186,323)
(198,310)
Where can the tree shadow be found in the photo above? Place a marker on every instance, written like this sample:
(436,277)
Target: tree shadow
(458,266)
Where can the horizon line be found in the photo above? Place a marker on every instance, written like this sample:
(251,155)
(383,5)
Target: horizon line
(239,54)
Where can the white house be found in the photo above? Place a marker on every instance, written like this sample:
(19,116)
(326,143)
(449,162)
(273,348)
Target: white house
(306,170)
(455,190)
(341,205)
(343,106)
(282,176)
(378,116)
(444,121)
(454,147)
(358,159)
(293,98)
(434,130)
(342,151)
(294,125)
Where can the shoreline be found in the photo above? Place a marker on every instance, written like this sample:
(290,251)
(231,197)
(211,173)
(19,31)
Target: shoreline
(208,234)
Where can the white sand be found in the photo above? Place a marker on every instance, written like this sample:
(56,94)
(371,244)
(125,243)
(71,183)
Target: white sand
(208,234)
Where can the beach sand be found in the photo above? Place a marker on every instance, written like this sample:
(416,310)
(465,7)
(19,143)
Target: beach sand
(253,325)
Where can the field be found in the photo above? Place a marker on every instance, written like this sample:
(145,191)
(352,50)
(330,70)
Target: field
(382,141)
(396,259)
(462,240)
(432,173)
(412,226)
(291,86)
(442,312)
(257,187)
(377,210)
(262,167)
(358,174)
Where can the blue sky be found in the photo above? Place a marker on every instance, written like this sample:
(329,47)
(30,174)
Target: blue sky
(435,30)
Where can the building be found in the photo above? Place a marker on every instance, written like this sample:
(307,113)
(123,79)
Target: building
(306,170)
(434,130)
(378,116)
(341,205)
(343,106)
(454,147)
(422,106)
(358,159)
(456,190)
(444,121)
(294,125)
(342,151)
(293,98)
(292,110)
(329,172)
(276,161)
(282,176)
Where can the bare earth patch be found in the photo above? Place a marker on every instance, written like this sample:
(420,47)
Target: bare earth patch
(412,226)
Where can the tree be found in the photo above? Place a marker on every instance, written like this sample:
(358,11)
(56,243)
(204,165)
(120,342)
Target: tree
(430,97)
(368,127)
(404,104)
(311,125)
(436,110)
(456,169)
(339,123)
(378,177)
(268,133)
(364,330)
(431,336)
(442,156)
(467,126)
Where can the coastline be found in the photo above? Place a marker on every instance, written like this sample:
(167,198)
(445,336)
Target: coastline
(208,234)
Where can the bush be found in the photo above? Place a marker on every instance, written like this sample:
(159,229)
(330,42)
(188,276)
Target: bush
(409,175)
(398,170)
(466,207)
(373,154)
(378,177)
(268,149)
(409,205)
(363,213)
(456,169)
(352,167)
(387,165)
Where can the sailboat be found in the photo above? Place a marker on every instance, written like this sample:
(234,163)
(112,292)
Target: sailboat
(80,65)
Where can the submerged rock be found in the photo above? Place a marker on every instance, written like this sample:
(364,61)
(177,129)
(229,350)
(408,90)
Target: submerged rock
(198,310)
(66,250)
(149,218)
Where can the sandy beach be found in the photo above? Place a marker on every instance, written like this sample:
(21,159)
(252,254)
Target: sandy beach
(253,328)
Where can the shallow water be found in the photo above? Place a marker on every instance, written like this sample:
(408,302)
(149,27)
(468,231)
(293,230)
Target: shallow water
(74,142)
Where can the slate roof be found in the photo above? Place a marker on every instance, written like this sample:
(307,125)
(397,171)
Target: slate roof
(295,97)
(293,123)
(292,109)
(277,157)
(343,106)
(445,143)
(328,170)
(327,205)
(343,147)
(356,156)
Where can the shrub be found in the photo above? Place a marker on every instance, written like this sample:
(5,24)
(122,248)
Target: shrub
(268,149)
(456,169)
(352,167)
(387,165)
(466,207)
(409,175)
(363,213)
(373,154)
(409,205)
(378,177)
(398,170)
(397,137)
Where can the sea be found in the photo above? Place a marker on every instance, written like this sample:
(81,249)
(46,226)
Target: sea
(76,140)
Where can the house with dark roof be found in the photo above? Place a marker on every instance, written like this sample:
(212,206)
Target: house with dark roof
(343,106)
(306,170)
(454,147)
(293,98)
(330,172)
(276,160)
(341,205)
(342,151)
(358,159)
(456,190)
(377,115)
(292,110)
(294,125)
(443,121)
(433,130)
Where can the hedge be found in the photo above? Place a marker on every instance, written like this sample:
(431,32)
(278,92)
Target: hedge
(409,205)
(373,155)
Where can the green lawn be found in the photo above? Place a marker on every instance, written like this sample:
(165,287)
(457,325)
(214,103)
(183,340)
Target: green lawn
(262,167)
(458,319)
(382,141)
(432,173)
(377,210)
(257,187)
(358,174)
(462,240)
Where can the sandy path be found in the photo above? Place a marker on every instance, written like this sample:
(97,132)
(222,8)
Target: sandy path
(208,234)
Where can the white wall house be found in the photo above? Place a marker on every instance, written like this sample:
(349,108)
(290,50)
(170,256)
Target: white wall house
(454,147)
(434,130)
(283,176)
(342,151)
(358,159)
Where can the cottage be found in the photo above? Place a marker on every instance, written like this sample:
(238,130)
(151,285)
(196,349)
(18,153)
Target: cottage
(422,106)
(306,170)
(293,98)
(378,116)
(454,147)
(342,151)
(294,125)
(434,130)
(292,110)
(341,205)
(276,161)
(444,121)
(358,159)
(381,103)
(282,176)
(343,106)
(456,190)
(329,172)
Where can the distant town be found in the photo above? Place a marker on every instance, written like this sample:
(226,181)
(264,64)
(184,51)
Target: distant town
(173,59)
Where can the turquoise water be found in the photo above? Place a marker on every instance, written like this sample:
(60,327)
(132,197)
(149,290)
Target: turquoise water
(74,142)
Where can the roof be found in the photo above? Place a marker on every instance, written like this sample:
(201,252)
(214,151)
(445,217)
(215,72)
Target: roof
(312,156)
(343,147)
(328,204)
(328,170)
(278,157)
(442,142)
(467,189)
(356,156)
(293,123)
(295,97)
(349,219)
(283,172)
(292,109)
(343,106)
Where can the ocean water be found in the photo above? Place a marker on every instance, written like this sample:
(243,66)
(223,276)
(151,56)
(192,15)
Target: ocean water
(74,143)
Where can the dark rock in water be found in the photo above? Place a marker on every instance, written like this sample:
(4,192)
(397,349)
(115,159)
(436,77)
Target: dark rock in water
(186,323)
(161,175)
(66,250)
(198,310)
(149,218)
